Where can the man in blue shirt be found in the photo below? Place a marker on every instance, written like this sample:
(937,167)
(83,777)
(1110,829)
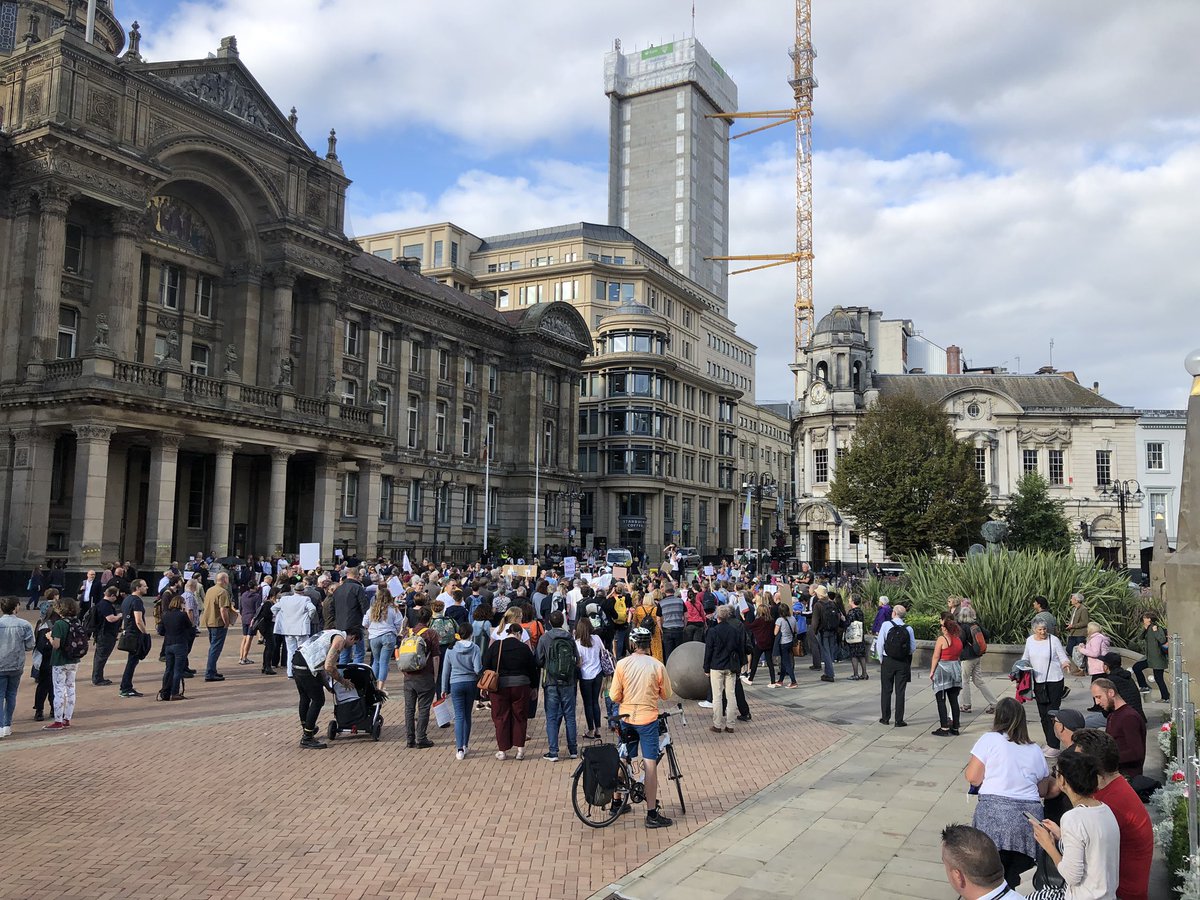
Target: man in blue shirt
(895,664)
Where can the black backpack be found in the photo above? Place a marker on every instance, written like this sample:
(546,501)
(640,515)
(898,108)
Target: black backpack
(75,646)
(967,636)
(601,763)
(896,645)
(91,621)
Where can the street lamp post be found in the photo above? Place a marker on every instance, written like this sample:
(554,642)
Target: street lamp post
(441,480)
(1124,494)
(573,495)
(757,487)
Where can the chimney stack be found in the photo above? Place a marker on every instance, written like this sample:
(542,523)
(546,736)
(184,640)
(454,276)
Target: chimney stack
(954,360)
(1096,387)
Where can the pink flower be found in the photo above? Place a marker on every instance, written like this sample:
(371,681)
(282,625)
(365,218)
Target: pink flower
(1166,727)
(1177,776)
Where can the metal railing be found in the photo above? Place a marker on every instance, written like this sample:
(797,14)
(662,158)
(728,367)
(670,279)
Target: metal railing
(1183,717)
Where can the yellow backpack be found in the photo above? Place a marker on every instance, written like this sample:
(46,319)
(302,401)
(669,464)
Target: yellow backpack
(621,609)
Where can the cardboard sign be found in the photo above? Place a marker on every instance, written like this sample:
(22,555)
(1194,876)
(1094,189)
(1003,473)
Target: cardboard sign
(709,571)
(310,556)
(519,571)
(569,563)
(619,573)
(395,587)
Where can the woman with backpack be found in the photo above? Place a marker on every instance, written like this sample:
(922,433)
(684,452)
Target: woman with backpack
(974,646)
(785,637)
(517,674)
(856,640)
(645,615)
(591,674)
(461,667)
(63,663)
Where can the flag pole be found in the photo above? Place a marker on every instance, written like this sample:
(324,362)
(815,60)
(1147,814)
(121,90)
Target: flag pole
(487,493)
(537,476)
(91,22)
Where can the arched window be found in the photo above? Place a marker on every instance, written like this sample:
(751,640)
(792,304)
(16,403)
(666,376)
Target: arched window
(822,371)
(856,376)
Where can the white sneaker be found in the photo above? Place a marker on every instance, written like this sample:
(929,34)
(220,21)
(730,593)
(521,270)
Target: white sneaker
(5,731)
(459,755)
(747,682)
(704,704)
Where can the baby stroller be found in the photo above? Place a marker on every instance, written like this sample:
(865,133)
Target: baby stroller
(358,709)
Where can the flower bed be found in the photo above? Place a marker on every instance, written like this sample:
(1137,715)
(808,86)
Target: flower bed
(1171,833)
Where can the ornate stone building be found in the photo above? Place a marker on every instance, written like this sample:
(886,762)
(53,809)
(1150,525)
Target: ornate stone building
(1046,423)
(196,357)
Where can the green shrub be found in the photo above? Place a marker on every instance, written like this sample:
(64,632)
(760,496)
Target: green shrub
(925,626)
(1177,850)
(1001,586)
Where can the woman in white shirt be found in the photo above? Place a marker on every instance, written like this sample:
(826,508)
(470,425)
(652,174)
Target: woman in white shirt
(1086,845)
(512,616)
(1049,661)
(1009,773)
(588,643)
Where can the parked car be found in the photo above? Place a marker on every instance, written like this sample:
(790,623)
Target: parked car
(689,558)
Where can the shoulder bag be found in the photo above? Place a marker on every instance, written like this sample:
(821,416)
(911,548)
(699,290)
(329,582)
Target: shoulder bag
(490,679)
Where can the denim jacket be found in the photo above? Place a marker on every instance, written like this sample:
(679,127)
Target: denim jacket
(16,637)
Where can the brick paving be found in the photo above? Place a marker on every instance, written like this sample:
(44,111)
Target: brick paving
(213,799)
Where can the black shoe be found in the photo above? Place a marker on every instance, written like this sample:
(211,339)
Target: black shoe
(743,718)
(901,724)
(954,732)
(424,745)
(189,674)
(411,745)
(815,668)
(885,721)
(214,677)
(827,678)
(131,694)
(37,716)
(268,671)
(619,807)
(103,682)
(655,819)
(941,732)
(309,742)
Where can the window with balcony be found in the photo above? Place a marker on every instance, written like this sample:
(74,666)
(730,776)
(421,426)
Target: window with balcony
(442,493)
(349,392)
(68,332)
(384,400)
(200,357)
(73,250)
(161,348)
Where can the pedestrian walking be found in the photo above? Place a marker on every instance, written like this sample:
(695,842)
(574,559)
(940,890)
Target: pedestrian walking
(974,643)
(16,639)
(63,664)
(856,640)
(945,674)
(315,664)
(895,647)
(517,671)
(1154,638)
(558,658)
(785,638)
(421,684)
(1048,661)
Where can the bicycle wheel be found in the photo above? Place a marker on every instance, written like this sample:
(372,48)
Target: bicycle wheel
(597,816)
(674,774)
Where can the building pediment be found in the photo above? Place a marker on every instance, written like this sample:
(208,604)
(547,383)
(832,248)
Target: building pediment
(226,86)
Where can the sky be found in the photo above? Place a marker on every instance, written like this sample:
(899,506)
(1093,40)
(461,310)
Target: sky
(1003,174)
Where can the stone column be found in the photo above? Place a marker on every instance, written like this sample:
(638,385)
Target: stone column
(325,511)
(282,364)
(1182,568)
(17,284)
(47,288)
(278,497)
(368,507)
(126,227)
(221,499)
(91,483)
(32,464)
(160,506)
(325,379)
(832,452)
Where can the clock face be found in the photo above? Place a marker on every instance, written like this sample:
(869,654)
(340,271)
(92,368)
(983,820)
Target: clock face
(817,392)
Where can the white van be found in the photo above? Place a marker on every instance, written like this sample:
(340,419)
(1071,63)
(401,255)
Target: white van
(618,556)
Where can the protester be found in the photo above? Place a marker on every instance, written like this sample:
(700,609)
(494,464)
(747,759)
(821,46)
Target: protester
(589,645)
(1010,774)
(175,627)
(762,632)
(1048,661)
(895,664)
(673,613)
(1085,847)
(945,673)
(558,657)
(293,622)
(512,660)
(639,682)
(218,615)
(16,639)
(133,623)
(383,623)
(785,637)
(249,602)
(1124,725)
(856,640)
(108,622)
(1133,822)
(420,684)
(645,615)
(722,662)
(461,667)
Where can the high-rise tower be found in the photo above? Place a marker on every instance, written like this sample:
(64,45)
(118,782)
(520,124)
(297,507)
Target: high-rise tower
(668,174)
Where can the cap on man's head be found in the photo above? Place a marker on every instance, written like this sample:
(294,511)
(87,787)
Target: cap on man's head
(1070,719)
(1112,659)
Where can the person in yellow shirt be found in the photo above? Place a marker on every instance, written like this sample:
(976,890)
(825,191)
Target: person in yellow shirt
(218,615)
(639,682)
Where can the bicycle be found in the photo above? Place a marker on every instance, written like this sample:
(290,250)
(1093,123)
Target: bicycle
(630,784)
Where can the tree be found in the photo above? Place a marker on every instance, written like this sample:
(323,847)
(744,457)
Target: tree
(1036,521)
(907,479)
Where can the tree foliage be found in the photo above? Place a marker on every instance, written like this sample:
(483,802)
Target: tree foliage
(1036,521)
(908,480)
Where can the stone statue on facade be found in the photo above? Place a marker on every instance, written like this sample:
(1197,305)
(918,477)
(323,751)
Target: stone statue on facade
(373,394)
(231,359)
(100,341)
(286,368)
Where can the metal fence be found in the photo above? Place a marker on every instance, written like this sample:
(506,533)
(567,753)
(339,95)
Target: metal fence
(1183,716)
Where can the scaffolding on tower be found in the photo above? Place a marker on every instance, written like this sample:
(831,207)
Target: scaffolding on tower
(802,83)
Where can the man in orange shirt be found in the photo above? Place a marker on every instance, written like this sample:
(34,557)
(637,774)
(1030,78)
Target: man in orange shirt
(639,682)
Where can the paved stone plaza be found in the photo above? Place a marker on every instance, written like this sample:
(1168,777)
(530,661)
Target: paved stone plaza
(213,799)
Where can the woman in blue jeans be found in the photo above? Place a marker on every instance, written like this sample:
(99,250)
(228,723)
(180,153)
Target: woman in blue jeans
(175,626)
(461,668)
(382,623)
(591,674)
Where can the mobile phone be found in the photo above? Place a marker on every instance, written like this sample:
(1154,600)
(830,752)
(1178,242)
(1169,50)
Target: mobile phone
(1034,819)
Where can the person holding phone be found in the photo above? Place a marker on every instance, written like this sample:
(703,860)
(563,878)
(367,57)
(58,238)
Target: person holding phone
(1086,846)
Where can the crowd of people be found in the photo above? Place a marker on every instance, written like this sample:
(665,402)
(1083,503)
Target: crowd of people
(479,638)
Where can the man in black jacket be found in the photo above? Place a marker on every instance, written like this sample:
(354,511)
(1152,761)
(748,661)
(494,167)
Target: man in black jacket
(723,656)
(349,606)
(1122,678)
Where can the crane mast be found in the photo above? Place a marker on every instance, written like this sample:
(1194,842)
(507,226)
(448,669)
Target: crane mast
(802,83)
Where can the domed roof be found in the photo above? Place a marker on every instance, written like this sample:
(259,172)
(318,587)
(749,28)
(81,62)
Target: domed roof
(632,308)
(837,319)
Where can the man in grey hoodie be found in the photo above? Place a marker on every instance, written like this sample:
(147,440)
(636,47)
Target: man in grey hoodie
(558,656)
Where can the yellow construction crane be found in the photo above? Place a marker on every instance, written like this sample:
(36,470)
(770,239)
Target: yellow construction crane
(803,83)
